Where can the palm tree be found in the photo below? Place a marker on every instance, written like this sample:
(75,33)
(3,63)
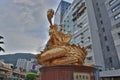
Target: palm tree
(1,42)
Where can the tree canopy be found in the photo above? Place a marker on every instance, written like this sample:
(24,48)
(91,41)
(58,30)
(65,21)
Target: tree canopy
(31,76)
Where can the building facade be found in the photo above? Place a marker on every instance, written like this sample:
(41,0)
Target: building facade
(91,28)
(5,70)
(66,22)
(21,63)
(62,7)
(81,29)
(27,65)
(100,27)
(113,9)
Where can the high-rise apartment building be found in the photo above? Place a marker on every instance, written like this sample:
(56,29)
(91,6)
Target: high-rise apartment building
(113,9)
(90,26)
(62,7)
(102,41)
(66,23)
(91,29)
(21,63)
(81,29)
(27,65)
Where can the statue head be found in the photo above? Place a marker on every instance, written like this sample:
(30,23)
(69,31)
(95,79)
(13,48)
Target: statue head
(50,14)
(50,11)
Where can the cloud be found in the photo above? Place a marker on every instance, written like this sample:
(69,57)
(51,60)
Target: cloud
(30,2)
(24,24)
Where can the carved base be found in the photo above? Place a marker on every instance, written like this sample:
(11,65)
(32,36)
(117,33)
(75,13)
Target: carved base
(67,72)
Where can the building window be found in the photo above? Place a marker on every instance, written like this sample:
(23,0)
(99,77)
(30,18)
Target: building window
(82,37)
(100,15)
(110,61)
(108,48)
(98,9)
(118,25)
(81,33)
(112,2)
(105,38)
(89,58)
(60,29)
(86,32)
(101,22)
(86,40)
(81,41)
(117,16)
(89,47)
(119,34)
(103,29)
(97,3)
(116,8)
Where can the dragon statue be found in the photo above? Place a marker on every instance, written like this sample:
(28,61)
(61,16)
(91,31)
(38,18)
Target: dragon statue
(58,51)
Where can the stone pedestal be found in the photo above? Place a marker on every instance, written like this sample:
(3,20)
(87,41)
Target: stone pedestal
(67,72)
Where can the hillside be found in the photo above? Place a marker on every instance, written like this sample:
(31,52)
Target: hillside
(12,58)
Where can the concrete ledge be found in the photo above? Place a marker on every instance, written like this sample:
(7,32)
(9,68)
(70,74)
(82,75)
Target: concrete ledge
(110,73)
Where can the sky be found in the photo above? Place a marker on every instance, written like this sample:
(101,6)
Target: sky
(24,25)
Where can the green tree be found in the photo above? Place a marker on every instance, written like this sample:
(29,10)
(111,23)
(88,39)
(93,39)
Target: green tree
(31,76)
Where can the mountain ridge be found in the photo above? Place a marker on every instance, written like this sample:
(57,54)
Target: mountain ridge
(12,58)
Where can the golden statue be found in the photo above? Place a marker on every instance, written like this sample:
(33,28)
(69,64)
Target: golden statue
(58,51)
